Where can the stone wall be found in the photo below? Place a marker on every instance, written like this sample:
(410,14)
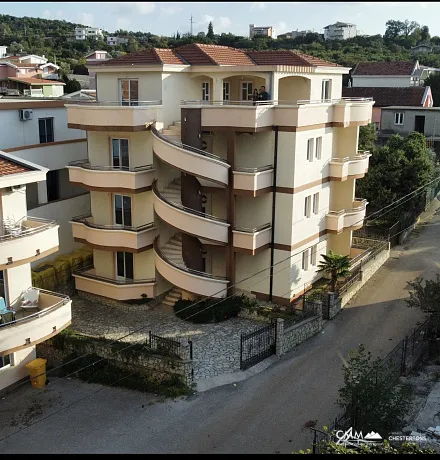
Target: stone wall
(404,235)
(335,304)
(368,270)
(149,303)
(131,359)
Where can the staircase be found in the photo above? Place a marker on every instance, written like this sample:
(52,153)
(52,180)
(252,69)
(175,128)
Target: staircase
(173,131)
(172,250)
(172,191)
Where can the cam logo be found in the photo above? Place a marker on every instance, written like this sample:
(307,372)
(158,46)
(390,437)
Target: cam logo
(355,438)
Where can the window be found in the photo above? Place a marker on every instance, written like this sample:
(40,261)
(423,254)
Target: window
(315,203)
(307,206)
(123,210)
(305,259)
(129,92)
(5,361)
(310,145)
(325,93)
(318,149)
(53,185)
(124,265)
(226,91)
(246,90)
(205,91)
(120,156)
(313,254)
(398,118)
(45,127)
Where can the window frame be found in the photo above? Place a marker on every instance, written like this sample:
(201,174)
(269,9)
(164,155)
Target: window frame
(248,91)
(124,256)
(45,135)
(305,260)
(399,116)
(313,255)
(310,149)
(318,148)
(120,157)
(308,206)
(315,203)
(130,101)
(206,85)
(123,210)
(226,91)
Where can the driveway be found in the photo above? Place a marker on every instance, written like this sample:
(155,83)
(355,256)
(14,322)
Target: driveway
(263,414)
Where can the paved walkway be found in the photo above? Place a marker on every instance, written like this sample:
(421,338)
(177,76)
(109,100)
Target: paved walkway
(216,346)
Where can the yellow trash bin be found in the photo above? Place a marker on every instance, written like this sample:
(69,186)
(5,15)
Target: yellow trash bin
(37,372)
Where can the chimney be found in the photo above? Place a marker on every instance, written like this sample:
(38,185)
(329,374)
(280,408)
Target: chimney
(349,83)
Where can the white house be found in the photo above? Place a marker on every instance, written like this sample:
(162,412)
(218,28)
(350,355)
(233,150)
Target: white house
(340,31)
(3,52)
(81,33)
(115,41)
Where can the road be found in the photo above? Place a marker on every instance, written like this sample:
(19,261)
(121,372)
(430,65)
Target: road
(263,414)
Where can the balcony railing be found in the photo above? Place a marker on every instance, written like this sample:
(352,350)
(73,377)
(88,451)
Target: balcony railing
(116,103)
(86,273)
(276,102)
(86,220)
(85,164)
(360,156)
(361,204)
(24,227)
(254,170)
(253,230)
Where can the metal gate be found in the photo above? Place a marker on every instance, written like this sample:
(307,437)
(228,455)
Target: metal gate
(258,345)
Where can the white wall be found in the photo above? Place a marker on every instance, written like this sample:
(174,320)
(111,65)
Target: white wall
(382,82)
(20,133)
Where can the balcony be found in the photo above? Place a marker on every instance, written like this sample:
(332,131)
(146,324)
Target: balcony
(29,327)
(189,280)
(188,220)
(253,181)
(252,240)
(111,178)
(114,237)
(189,159)
(356,166)
(246,116)
(347,219)
(113,116)
(87,280)
(27,240)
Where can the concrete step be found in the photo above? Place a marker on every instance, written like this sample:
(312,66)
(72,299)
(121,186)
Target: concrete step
(171,192)
(169,132)
(177,236)
(170,303)
(174,186)
(173,296)
(176,243)
(174,129)
(177,123)
(173,252)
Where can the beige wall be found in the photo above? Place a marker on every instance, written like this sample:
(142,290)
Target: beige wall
(102,207)
(345,142)
(252,212)
(245,265)
(218,205)
(18,279)
(13,204)
(286,159)
(104,262)
(283,218)
(142,208)
(18,371)
(175,88)
(220,145)
(340,244)
(218,263)
(342,195)
(144,267)
(292,89)
(255,150)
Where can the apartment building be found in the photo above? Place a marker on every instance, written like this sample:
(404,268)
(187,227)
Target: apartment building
(340,31)
(82,33)
(28,316)
(116,41)
(36,130)
(194,188)
(3,51)
(261,31)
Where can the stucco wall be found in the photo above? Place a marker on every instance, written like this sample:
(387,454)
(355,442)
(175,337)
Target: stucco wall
(383,82)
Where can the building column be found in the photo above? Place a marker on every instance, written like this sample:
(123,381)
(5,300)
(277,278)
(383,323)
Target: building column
(272,86)
(230,254)
(42,192)
(217,89)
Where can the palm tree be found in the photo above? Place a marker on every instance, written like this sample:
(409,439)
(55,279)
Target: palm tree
(334,265)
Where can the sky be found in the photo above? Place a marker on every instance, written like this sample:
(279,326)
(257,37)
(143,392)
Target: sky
(166,18)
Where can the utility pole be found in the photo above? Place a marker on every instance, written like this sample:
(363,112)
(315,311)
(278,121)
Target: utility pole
(191,21)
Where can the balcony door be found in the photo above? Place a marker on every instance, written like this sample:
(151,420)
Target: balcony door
(123,210)
(124,265)
(120,155)
(246,90)
(129,92)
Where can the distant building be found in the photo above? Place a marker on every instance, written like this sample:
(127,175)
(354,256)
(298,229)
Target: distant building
(116,41)
(340,31)
(261,31)
(294,34)
(3,52)
(422,48)
(81,33)
(96,57)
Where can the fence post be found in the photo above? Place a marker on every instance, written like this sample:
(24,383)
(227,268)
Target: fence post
(404,346)
(149,341)
(279,331)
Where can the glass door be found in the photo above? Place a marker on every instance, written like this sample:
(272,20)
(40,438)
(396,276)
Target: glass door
(129,92)
(123,210)
(246,90)
(124,265)
(120,156)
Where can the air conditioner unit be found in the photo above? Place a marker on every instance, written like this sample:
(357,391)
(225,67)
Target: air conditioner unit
(25,114)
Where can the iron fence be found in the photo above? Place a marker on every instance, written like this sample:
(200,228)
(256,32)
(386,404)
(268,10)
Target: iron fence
(164,345)
(257,346)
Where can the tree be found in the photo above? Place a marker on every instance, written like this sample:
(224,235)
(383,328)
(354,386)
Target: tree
(132,45)
(425,36)
(72,86)
(425,297)
(210,33)
(367,137)
(433,80)
(336,266)
(369,395)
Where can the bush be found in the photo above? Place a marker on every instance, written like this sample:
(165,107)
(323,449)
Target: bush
(206,312)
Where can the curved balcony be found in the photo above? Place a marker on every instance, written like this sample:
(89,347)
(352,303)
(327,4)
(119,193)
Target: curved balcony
(189,159)
(87,280)
(252,240)
(347,219)
(342,168)
(188,220)
(300,113)
(111,178)
(189,280)
(113,237)
(27,328)
(27,240)
(253,181)
(113,116)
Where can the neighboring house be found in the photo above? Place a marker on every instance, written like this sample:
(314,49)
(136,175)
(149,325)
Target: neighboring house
(96,57)
(3,51)
(340,31)
(390,74)
(83,94)
(294,34)
(196,215)
(36,130)
(404,120)
(81,33)
(422,48)
(385,97)
(26,59)
(28,316)
(261,31)
(115,41)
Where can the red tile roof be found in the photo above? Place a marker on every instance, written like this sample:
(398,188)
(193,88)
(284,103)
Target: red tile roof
(385,97)
(36,81)
(8,167)
(384,68)
(200,54)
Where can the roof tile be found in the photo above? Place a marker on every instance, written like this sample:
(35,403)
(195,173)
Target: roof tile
(385,97)
(8,167)
(288,58)
(384,68)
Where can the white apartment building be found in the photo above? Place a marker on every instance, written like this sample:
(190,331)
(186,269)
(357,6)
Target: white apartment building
(3,51)
(28,316)
(261,31)
(81,33)
(115,41)
(37,131)
(194,188)
(340,31)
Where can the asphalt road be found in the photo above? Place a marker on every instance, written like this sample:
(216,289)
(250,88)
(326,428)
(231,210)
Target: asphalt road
(263,414)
